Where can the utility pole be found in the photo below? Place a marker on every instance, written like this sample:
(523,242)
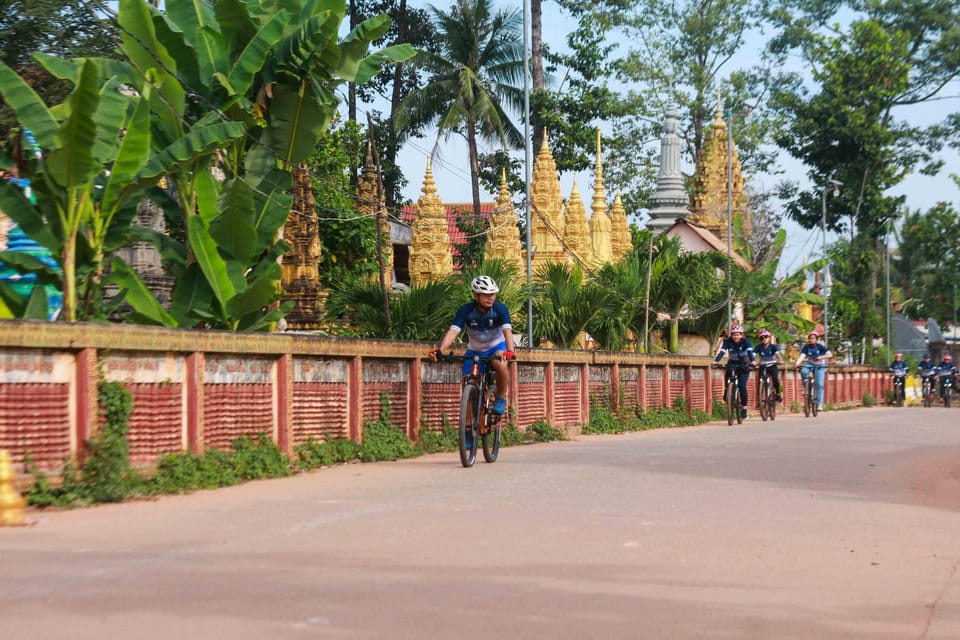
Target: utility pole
(835,187)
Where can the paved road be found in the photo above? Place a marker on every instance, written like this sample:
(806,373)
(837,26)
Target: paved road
(844,526)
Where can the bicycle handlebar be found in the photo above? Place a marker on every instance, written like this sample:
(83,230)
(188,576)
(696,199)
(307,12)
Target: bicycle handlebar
(453,357)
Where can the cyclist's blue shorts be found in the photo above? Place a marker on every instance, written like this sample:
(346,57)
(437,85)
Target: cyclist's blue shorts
(468,364)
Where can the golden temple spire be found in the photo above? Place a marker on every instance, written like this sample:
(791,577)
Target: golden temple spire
(370,201)
(300,267)
(576,231)
(709,200)
(621,243)
(546,206)
(503,236)
(600,224)
(430,257)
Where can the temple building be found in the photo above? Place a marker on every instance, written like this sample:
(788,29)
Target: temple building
(717,167)
(670,201)
(300,267)
(430,255)
(601,225)
(546,206)
(576,230)
(503,237)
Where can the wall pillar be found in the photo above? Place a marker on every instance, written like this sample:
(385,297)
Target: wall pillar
(615,388)
(414,397)
(194,388)
(87,408)
(355,399)
(549,388)
(283,399)
(584,394)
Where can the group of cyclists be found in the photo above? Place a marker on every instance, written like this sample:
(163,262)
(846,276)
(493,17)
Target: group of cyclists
(487,323)
(742,356)
(943,374)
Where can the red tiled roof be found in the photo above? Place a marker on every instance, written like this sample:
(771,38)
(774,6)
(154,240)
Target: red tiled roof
(453,211)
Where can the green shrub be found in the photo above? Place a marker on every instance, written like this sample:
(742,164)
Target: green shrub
(385,442)
(260,459)
(313,454)
(437,441)
(869,400)
(544,432)
(602,420)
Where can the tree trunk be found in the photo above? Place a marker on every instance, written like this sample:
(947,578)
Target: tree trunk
(536,68)
(474,165)
(390,146)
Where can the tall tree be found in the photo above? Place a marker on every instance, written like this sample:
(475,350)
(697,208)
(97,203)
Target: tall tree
(926,266)
(891,55)
(63,29)
(476,75)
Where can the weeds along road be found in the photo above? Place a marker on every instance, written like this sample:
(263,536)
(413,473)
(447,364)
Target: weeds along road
(841,526)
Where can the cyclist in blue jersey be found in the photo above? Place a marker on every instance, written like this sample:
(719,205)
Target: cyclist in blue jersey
(769,354)
(489,333)
(739,352)
(946,369)
(816,354)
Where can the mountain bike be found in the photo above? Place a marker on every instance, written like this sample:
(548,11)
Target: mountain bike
(766,397)
(477,417)
(731,394)
(809,392)
(899,387)
(927,377)
(946,389)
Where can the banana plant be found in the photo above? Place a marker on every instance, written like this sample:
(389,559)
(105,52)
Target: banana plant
(85,182)
(275,69)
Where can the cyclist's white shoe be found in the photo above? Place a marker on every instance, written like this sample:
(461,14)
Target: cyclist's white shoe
(820,408)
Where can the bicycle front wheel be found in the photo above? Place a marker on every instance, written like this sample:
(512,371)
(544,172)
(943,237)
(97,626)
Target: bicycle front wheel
(731,402)
(467,427)
(807,398)
(763,400)
(946,396)
(772,406)
(491,438)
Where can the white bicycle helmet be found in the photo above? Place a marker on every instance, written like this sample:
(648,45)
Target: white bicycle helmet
(484,284)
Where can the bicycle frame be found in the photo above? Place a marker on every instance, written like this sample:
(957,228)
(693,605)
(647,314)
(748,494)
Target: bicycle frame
(766,398)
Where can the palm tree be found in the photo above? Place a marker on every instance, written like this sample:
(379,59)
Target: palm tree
(681,281)
(478,70)
(564,304)
(423,313)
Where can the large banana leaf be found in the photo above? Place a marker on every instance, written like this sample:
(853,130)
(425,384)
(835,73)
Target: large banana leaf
(146,52)
(31,112)
(211,263)
(200,29)
(254,54)
(72,163)
(28,217)
(129,159)
(201,141)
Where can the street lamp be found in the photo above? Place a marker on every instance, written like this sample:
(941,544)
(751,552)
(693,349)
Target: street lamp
(730,115)
(835,187)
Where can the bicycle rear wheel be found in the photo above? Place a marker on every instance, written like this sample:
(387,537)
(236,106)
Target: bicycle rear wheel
(491,438)
(772,406)
(807,397)
(467,427)
(946,396)
(740,408)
